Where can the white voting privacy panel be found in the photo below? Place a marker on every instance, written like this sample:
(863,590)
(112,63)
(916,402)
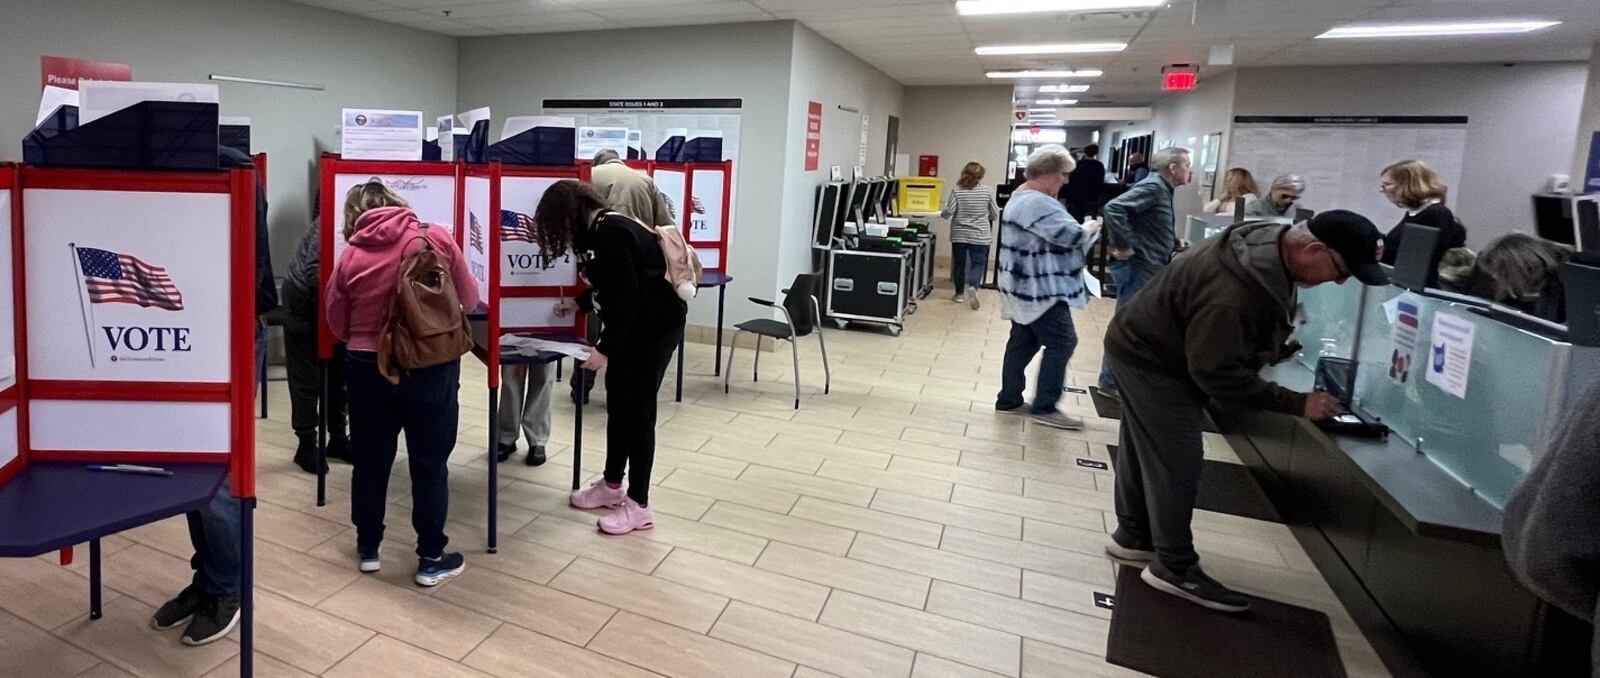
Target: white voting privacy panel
(1342,161)
(432,197)
(8,437)
(8,337)
(523,263)
(705,208)
(128,286)
(673,184)
(479,221)
(89,425)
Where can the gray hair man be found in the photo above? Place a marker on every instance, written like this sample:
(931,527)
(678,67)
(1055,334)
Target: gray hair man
(1280,199)
(1143,232)
(628,190)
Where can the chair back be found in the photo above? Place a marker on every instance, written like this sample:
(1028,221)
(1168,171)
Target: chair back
(798,302)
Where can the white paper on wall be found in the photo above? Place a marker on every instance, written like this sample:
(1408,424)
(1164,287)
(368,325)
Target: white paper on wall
(431,196)
(88,425)
(1450,354)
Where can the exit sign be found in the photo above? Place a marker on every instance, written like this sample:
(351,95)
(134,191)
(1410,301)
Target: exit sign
(1179,81)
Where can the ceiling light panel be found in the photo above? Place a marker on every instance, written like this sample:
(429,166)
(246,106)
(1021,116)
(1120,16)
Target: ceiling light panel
(1436,29)
(989,7)
(1080,73)
(1059,48)
(1063,89)
(1056,102)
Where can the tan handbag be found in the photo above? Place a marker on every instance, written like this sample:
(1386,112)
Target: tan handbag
(423,324)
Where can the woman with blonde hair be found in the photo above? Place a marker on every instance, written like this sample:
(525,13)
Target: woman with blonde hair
(382,231)
(972,212)
(1417,189)
(1238,183)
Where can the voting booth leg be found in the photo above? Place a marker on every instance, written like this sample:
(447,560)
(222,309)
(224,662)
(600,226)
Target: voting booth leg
(94,578)
(322,432)
(582,376)
(722,296)
(247,586)
(680,368)
(494,468)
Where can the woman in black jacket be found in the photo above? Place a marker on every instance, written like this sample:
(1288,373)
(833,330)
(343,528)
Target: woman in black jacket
(1417,189)
(641,319)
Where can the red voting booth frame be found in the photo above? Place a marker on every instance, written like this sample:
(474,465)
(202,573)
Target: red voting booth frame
(686,202)
(108,516)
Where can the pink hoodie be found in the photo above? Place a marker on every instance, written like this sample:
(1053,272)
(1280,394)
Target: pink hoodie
(367,272)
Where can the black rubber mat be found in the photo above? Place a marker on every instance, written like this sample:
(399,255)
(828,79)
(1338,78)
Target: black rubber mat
(1111,408)
(1163,635)
(1228,488)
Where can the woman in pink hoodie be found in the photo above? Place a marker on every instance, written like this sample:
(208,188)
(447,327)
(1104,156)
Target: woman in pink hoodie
(382,230)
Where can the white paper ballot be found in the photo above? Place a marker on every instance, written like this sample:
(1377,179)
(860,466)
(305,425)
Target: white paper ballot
(53,98)
(592,140)
(521,123)
(442,133)
(1091,283)
(470,118)
(533,345)
(368,134)
(99,98)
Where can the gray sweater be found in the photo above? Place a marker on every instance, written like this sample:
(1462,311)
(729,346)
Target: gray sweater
(1142,219)
(1551,534)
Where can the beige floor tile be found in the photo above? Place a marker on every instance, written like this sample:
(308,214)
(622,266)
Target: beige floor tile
(433,625)
(1068,594)
(857,576)
(839,652)
(675,652)
(868,422)
(929,666)
(1068,474)
(1068,537)
(782,528)
(45,594)
(934,634)
(1043,660)
(1093,569)
(808,672)
(652,597)
(80,563)
(901,448)
(170,535)
(104,670)
(265,667)
(886,480)
(937,564)
(1297,560)
(698,462)
(631,551)
(301,577)
(293,529)
(397,554)
(1081,632)
(831,451)
(808,485)
(516,557)
(944,512)
(124,637)
(787,429)
(385,656)
(532,606)
(514,652)
(304,637)
(30,651)
(707,539)
(959,442)
(868,521)
(545,500)
(756,452)
(735,491)
(1037,509)
(956,474)
(153,577)
(742,583)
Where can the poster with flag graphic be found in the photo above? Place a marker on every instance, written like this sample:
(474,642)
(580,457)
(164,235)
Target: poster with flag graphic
(522,262)
(479,221)
(128,285)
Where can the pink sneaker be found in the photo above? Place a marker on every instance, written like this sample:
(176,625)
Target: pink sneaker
(598,495)
(627,517)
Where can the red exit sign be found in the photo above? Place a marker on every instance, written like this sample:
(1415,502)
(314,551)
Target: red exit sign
(1179,81)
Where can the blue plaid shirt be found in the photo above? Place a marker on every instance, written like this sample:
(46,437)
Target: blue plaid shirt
(1041,257)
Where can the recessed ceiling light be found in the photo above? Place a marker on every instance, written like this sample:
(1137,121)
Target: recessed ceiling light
(1056,102)
(981,7)
(1080,73)
(1060,48)
(1441,29)
(1063,89)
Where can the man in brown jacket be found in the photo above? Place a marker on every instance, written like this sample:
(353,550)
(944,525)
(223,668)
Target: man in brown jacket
(1202,330)
(628,190)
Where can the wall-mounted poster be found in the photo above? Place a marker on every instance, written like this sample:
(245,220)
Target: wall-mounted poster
(522,263)
(432,197)
(128,286)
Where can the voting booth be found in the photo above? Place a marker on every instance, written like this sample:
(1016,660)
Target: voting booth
(126,341)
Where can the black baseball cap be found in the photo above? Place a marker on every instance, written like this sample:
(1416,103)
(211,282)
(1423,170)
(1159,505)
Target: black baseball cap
(1357,241)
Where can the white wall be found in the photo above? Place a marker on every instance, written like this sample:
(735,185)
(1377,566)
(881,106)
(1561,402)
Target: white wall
(1589,124)
(1521,121)
(960,125)
(1184,119)
(362,62)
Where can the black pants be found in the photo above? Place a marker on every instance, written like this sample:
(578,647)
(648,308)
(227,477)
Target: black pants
(589,378)
(424,405)
(633,378)
(1160,455)
(300,349)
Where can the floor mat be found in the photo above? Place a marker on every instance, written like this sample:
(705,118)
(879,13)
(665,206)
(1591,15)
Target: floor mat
(1228,488)
(1111,408)
(1166,636)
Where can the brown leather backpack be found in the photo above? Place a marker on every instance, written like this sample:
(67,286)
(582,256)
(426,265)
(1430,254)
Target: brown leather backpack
(423,324)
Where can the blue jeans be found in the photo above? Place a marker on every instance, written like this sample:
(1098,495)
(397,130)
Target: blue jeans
(1129,279)
(425,406)
(214,533)
(1054,332)
(968,264)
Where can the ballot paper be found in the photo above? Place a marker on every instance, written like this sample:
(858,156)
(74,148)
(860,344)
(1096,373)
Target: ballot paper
(99,98)
(533,345)
(53,98)
(470,118)
(371,134)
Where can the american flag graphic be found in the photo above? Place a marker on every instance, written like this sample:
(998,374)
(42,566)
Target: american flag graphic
(515,227)
(696,206)
(475,233)
(115,278)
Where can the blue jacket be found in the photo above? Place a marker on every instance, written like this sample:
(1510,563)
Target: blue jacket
(1142,218)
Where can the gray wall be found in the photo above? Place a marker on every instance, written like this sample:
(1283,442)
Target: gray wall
(514,74)
(1521,123)
(361,62)
(1590,122)
(960,125)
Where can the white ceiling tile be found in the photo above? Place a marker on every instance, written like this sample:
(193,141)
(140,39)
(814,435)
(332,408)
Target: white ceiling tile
(497,9)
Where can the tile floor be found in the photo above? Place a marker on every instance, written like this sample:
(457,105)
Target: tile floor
(895,527)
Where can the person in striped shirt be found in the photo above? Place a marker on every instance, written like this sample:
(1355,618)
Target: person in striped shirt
(972,212)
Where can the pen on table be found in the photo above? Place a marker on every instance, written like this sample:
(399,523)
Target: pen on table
(128,468)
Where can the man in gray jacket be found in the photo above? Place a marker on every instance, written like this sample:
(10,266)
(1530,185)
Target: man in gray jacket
(1143,233)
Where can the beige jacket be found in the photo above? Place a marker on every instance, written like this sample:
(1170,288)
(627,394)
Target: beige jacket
(631,192)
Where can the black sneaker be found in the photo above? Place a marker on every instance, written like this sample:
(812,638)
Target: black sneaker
(1107,392)
(1137,555)
(433,571)
(175,611)
(215,618)
(1196,587)
(305,455)
(575,397)
(535,456)
(339,449)
(1010,408)
(506,451)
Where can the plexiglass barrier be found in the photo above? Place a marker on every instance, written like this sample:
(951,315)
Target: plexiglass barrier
(1332,322)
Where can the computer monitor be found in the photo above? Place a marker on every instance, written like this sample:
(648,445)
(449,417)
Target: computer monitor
(826,224)
(859,189)
(875,188)
(1587,211)
(1582,287)
(1415,266)
(1552,217)
(890,195)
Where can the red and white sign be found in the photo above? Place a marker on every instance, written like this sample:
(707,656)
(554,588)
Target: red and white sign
(65,72)
(813,135)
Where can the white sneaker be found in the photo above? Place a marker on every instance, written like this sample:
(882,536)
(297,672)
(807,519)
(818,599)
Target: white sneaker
(959,298)
(972,301)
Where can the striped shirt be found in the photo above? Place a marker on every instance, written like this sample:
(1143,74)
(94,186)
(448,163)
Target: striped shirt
(971,212)
(1041,257)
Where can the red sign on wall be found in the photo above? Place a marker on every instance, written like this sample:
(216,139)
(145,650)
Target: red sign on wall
(65,72)
(813,135)
(927,165)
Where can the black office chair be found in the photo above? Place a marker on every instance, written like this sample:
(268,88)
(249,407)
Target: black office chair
(802,316)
